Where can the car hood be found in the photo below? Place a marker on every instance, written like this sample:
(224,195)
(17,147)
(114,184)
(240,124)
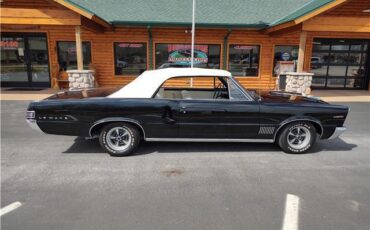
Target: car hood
(287,97)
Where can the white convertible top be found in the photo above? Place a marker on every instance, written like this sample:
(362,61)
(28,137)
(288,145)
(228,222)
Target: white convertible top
(145,85)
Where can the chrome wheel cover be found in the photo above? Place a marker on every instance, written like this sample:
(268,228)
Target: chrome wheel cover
(119,138)
(299,137)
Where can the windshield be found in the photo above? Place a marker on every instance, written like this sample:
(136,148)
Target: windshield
(253,94)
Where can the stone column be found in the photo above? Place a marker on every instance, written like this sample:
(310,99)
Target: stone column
(81,79)
(298,82)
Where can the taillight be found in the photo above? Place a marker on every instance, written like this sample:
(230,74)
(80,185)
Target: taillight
(30,115)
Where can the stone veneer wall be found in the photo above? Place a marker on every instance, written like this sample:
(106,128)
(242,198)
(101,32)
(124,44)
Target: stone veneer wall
(298,82)
(81,79)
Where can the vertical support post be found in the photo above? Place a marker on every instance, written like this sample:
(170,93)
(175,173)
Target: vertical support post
(150,48)
(226,43)
(301,52)
(80,65)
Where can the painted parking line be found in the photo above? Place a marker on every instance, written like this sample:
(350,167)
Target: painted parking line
(10,208)
(291,212)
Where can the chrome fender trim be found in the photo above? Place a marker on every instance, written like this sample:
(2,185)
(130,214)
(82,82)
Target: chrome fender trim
(298,119)
(33,124)
(116,119)
(337,132)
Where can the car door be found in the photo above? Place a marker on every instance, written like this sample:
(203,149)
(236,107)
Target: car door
(158,118)
(233,118)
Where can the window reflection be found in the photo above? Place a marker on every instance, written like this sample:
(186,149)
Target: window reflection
(179,56)
(339,63)
(67,56)
(130,58)
(284,53)
(244,60)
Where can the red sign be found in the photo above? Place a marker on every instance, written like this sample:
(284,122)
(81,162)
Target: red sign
(243,47)
(130,45)
(9,44)
(173,47)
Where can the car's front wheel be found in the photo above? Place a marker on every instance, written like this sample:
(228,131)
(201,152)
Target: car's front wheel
(297,137)
(119,139)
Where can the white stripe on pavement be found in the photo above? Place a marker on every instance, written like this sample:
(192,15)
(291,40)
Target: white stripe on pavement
(10,208)
(291,212)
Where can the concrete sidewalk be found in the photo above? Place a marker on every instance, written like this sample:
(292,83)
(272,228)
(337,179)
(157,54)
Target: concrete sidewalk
(326,95)
(343,95)
(11,95)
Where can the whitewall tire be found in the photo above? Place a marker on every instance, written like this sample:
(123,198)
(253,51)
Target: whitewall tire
(297,137)
(119,138)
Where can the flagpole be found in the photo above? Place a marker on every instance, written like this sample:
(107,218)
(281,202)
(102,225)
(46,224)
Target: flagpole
(193,35)
(192,41)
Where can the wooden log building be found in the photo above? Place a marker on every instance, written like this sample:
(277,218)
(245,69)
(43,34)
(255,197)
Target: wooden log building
(41,39)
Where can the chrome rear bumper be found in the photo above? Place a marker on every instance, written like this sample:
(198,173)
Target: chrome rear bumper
(33,124)
(338,131)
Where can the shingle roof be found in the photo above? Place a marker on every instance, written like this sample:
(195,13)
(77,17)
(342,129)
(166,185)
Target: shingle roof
(213,13)
(303,10)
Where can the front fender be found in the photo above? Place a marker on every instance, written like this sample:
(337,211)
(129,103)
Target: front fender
(315,121)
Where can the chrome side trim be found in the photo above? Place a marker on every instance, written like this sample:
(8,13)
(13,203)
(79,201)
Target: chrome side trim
(337,132)
(299,119)
(116,119)
(33,124)
(209,140)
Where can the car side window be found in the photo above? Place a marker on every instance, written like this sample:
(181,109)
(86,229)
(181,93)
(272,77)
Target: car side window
(235,93)
(194,88)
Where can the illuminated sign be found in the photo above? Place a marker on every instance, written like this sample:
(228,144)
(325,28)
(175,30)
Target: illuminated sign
(238,47)
(9,44)
(181,54)
(130,45)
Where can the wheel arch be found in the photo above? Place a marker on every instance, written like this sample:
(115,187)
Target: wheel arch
(98,125)
(315,122)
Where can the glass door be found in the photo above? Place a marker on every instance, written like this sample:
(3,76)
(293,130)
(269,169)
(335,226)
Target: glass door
(340,63)
(24,60)
(38,61)
(13,62)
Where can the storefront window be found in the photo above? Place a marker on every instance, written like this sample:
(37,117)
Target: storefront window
(179,56)
(339,63)
(244,60)
(67,57)
(130,58)
(284,53)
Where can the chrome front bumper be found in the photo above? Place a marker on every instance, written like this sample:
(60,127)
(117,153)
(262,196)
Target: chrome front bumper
(33,124)
(338,131)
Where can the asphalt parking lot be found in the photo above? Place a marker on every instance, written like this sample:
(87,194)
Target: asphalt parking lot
(69,183)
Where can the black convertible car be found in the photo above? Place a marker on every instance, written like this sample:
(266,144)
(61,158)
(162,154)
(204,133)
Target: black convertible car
(181,105)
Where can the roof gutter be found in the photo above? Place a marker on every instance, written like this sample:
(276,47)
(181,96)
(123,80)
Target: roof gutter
(188,24)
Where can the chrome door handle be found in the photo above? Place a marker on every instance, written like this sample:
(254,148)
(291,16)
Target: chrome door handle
(183,109)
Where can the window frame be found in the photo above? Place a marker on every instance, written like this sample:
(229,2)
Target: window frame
(245,44)
(91,50)
(183,43)
(114,57)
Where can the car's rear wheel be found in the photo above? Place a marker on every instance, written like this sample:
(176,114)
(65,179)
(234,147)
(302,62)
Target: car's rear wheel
(297,137)
(119,139)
